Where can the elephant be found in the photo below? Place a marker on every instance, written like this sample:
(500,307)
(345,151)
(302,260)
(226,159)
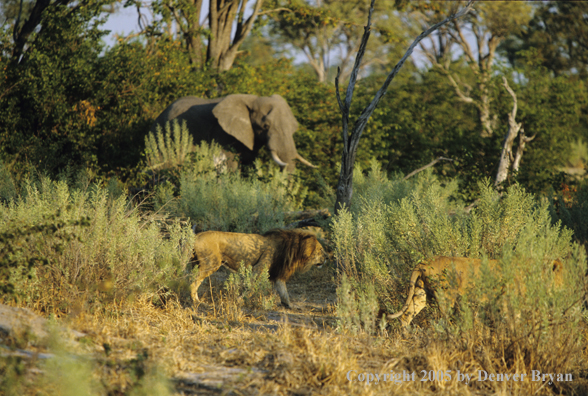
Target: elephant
(240,123)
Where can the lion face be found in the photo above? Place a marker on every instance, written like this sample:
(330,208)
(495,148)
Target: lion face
(316,256)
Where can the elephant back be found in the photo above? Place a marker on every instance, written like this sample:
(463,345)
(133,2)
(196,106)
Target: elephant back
(200,120)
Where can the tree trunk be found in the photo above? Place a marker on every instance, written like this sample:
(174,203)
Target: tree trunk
(513,131)
(20,36)
(193,39)
(351,140)
(221,52)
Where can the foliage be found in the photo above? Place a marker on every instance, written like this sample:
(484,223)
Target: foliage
(45,109)
(557,33)
(168,149)
(229,202)
(250,289)
(571,209)
(83,106)
(7,186)
(356,308)
(23,247)
(553,109)
(227,28)
(393,225)
(319,30)
(118,253)
(68,105)
(421,122)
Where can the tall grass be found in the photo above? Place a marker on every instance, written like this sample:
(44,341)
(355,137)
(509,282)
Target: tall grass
(119,252)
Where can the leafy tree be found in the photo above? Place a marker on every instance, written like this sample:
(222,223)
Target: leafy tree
(27,18)
(418,123)
(491,23)
(226,31)
(318,29)
(558,32)
(45,108)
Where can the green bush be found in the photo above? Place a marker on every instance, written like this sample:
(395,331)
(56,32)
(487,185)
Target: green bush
(573,213)
(118,252)
(169,148)
(393,225)
(357,306)
(216,199)
(250,289)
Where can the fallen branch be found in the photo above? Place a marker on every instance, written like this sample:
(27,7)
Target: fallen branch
(306,214)
(321,214)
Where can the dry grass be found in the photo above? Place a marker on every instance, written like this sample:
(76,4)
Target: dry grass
(143,337)
(291,352)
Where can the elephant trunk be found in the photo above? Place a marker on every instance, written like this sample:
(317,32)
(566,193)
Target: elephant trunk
(277,159)
(304,161)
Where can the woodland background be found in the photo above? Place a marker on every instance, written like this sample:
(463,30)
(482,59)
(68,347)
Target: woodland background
(69,102)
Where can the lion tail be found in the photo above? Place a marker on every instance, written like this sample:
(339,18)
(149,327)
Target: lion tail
(413,278)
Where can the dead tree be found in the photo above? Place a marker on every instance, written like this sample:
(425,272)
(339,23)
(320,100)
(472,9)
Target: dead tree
(514,128)
(351,139)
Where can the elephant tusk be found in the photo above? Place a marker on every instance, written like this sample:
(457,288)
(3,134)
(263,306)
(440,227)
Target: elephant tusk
(305,162)
(277,159)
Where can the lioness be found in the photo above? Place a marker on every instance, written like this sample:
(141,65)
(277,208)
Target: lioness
(282,252)
(438,273)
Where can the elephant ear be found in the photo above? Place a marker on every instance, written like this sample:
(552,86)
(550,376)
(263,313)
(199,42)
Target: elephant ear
(282,116)
(232,114)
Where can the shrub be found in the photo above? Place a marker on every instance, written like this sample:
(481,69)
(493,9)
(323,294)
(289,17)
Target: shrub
(227,201)
(168,149)
(250,289)
(357,306)
(24,246)
(393,225)
(572,211)
(118,253)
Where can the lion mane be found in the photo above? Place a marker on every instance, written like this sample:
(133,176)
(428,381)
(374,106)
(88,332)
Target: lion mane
(438,273)
(281,252)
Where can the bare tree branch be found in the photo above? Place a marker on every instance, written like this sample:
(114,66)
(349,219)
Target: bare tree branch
(511,134)
(523,140)
(275,10)
(351,141)
(430,164)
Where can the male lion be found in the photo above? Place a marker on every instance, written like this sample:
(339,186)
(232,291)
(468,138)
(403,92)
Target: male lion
(438,272)
(283,252)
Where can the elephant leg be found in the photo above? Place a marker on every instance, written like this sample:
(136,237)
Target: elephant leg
(280,287)
(416,305)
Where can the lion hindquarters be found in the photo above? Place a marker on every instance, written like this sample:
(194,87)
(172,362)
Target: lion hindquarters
(443,278)
(207,258)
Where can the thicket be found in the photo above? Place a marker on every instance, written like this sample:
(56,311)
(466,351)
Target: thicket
(198,182)
(394,225)
(78,104)
(118,251)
